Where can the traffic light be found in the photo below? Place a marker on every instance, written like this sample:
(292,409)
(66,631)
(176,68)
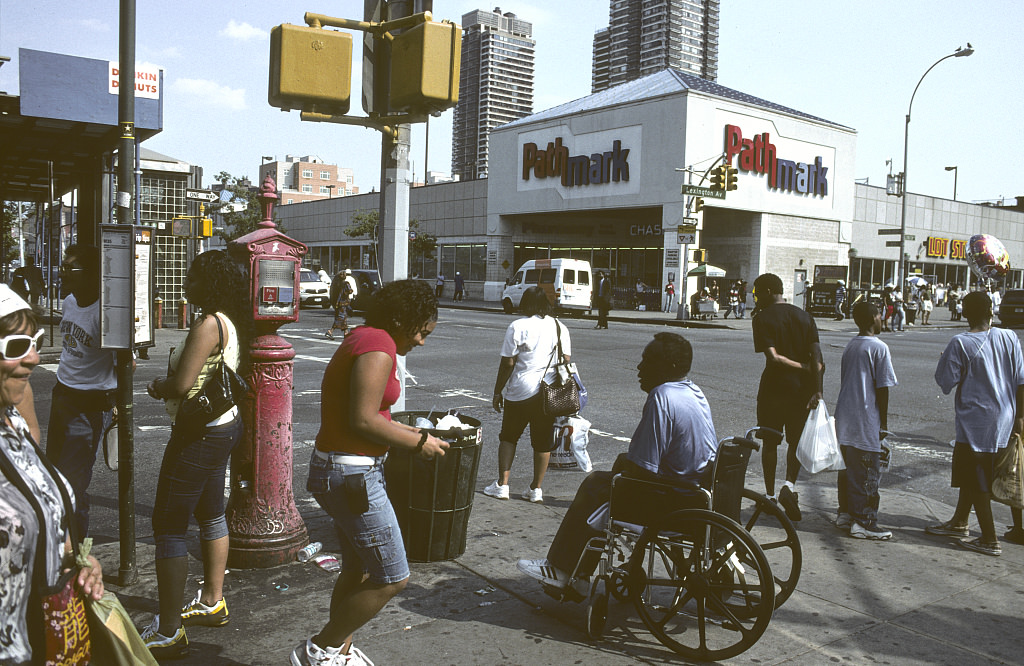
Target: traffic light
(730,178)
(310,69)
(425,64)
(698,205)
(718,178)
(205,227)
(181,226)
(700,256)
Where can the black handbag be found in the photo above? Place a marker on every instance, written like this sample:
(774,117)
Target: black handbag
(224,389)
(562,396)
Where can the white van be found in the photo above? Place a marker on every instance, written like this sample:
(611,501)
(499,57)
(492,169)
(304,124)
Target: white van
(567,282)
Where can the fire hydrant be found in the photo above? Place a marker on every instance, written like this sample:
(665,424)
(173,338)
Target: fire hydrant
(264,525)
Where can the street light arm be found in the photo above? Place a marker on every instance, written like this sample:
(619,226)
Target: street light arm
(911,105)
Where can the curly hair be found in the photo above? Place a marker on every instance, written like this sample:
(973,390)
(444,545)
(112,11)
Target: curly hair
(216,283)
(402,306)
(676,352)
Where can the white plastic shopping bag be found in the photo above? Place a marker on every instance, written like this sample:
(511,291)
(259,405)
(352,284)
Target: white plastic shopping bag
(570,436)
(818,449)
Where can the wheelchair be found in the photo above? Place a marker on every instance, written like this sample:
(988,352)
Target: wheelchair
(705,569)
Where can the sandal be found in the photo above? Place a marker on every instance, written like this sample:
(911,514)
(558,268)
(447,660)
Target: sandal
(979,546)
(1015,535)
(329,335)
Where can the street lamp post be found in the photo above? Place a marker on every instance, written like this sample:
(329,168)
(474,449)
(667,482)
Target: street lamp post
(902,273)
(330,191)
(955,173)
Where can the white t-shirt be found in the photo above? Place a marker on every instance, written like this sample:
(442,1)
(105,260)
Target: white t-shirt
(866,366)
(530,341)
(352,283)
(83,364)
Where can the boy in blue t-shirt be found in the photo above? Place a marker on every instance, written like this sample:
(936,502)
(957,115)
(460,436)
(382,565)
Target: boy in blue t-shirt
(861,415)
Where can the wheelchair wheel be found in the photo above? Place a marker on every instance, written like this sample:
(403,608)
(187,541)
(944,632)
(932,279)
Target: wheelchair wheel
(702,585)
(774,532)
(597,608)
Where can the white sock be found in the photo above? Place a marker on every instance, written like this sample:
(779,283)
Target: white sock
(771,497)
(790,484)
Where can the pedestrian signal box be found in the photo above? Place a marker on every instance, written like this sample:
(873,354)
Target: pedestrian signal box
(425,63)
(700,256)
(181,226)
(310,69)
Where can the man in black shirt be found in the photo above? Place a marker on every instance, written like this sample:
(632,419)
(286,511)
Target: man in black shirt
(790,384)
(603,299)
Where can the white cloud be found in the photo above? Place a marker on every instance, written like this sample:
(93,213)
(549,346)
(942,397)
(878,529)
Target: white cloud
(95,25)
(210,93)
(243,31)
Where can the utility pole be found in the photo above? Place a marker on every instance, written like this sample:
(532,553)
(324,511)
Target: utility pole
(128,572)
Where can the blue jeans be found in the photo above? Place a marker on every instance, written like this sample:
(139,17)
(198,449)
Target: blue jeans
(77,421)
(858,485)
(370,542)
(192,483)
(898,317)
(740,309)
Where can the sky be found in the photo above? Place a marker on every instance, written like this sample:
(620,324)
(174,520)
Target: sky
(853,63)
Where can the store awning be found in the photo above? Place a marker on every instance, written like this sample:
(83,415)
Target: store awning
(706,270)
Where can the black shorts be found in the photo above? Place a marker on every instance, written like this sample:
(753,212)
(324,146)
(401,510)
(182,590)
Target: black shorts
(972,470)
(789,415)
(517,414)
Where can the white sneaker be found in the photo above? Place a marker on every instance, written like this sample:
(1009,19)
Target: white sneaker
(497,491)
(876,533)
(544,571)
(356,657)
(844,521)
(308,653)
(533,495)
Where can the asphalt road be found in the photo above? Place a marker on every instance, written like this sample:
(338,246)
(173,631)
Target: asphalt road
(456,370)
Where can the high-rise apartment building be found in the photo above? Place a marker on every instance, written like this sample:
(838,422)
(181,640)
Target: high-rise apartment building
(495,85)
(646,36)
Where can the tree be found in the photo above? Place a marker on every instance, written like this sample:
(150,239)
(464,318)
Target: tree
(241,222)
(364,225)
(8,224)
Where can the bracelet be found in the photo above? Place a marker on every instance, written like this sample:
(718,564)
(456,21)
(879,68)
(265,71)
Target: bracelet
(423,440)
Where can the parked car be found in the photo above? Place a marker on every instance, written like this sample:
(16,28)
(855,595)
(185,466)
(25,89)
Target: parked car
(1011,310)
(312,290)
(367,284)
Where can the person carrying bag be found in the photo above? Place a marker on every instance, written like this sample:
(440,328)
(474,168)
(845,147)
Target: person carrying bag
(560,397)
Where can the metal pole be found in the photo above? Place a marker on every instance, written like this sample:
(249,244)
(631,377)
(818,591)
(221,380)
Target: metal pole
(128,572)
(682,312)
(902,264)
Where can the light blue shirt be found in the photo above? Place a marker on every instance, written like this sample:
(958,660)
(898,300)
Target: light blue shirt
(676,436)
(867,366)
(986,369)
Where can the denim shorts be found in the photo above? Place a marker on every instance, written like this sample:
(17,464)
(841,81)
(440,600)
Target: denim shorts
(370,542)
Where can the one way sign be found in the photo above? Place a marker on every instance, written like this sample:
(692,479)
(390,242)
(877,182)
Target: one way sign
(200,195)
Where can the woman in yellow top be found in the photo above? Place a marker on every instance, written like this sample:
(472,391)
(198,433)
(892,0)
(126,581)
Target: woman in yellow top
(192,475)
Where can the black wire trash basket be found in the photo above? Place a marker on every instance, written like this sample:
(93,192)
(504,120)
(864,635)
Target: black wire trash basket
(433,498)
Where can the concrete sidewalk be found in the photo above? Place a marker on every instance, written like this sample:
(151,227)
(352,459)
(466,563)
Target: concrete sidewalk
(913,600)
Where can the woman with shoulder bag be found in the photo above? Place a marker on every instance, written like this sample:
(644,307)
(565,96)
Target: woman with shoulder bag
(192,474)
(527,360)
(35,547)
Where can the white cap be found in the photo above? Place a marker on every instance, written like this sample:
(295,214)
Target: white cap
(842,282)
(348,271)
(11,302)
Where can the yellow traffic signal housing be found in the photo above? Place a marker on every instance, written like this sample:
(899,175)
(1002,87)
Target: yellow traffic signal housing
(730,178)
(700,256)
(718,178)
(181,226)
(310,69)
(698,204)
(425,63)
(205,227)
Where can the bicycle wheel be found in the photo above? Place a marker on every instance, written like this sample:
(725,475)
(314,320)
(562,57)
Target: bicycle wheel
(702,585)
(774,532)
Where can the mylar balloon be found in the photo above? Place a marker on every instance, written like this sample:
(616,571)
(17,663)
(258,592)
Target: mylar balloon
(987,256)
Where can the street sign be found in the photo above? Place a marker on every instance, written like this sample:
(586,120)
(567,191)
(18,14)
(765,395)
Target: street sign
(892,243)
(201,195)
(888,232)
(705,192)
(687,237)
(909,237)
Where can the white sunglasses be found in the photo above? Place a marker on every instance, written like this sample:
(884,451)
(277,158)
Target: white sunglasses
(16,347)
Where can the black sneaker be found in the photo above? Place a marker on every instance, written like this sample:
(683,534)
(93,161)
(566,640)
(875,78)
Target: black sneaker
(790,502)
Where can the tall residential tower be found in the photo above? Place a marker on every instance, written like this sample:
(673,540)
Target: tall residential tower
(646,36)
(495,85)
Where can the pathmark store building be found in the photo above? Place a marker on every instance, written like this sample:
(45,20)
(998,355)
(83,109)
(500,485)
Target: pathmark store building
(600,179)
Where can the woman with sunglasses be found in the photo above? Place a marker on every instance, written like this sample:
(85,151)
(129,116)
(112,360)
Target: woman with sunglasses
(35,548)
(192,474)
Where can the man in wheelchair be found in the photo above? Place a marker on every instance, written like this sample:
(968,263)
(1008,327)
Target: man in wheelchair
(675,441)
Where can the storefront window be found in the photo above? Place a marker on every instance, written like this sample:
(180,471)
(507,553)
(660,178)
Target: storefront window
(470,260)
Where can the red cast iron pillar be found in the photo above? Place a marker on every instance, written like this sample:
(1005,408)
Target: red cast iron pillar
(264,525)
